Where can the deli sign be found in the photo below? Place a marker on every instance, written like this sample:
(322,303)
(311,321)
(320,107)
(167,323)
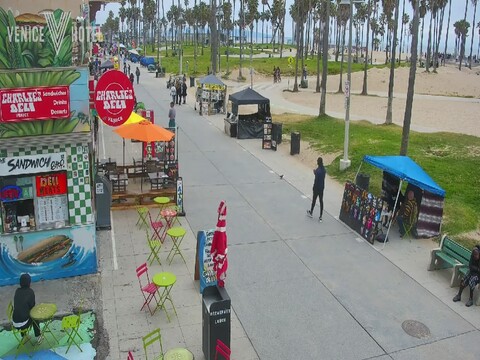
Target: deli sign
(38,103)
(51,184)
(114,98)
(33,164)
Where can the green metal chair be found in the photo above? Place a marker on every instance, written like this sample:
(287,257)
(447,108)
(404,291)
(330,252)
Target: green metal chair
(152,343)
(20,335)
(154,244)
(71,325)
(142,216)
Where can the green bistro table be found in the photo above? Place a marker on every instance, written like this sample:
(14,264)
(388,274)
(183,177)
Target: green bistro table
(163,201)
(178,354)
(44,313)
(165,282)
(176,234)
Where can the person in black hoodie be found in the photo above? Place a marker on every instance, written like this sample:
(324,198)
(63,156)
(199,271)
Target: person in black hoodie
(318,187)
(472,278)
(23,302)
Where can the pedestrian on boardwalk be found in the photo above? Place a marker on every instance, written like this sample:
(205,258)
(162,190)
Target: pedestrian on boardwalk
(173,92)
(128,67)
(472,278)
(137,72)
(172,113)
(318,187)
(184,91)
(132,78)
(179,93)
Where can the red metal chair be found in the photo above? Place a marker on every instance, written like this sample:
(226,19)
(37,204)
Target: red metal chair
(130,356)
(149,290)
(223,350)
(157,227)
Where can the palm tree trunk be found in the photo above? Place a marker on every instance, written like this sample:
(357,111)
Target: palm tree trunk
(240,76)
(323,95)
(299,52)
(437,47)
(429,44)
(317,88)
(365,67)
(421,39)
(401,34)
(388,119)
(411,83)
(448,30)
(340,88)
(473,35)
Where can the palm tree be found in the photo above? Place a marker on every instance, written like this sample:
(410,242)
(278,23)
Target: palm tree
(325,16)
(343,16)
(365,68)
(461,29)
(228,26)
(448,31)
(441,5)
(407,119)
(474,2)
(122,14)
(388,119)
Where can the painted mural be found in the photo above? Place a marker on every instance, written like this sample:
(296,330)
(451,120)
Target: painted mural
(41,93)
(48,254)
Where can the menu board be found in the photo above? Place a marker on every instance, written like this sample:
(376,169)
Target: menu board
(52,209)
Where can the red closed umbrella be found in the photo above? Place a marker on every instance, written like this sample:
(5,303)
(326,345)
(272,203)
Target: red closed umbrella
(219,245)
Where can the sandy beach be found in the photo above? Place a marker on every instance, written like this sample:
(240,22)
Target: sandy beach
(448,100)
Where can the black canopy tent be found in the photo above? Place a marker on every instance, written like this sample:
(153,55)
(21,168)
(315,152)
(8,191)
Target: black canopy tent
(248,126)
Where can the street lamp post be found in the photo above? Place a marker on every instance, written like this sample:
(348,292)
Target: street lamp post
(346,162)
(180,50)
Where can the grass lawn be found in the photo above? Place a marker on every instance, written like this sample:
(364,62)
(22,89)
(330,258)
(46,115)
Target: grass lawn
(262,65)
(450,159)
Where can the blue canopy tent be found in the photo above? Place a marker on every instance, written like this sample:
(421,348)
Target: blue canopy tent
(431,205)
(406,169)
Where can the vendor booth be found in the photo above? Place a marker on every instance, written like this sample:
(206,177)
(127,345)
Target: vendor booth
(211,94)
(248,126)
(363,211)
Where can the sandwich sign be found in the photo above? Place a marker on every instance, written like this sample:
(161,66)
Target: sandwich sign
(114,98)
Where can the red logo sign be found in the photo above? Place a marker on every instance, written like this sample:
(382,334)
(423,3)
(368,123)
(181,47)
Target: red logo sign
(40,103)
(114,98)
(51,184)
(10,193)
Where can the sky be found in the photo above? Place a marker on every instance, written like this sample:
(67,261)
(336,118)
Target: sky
(458,10)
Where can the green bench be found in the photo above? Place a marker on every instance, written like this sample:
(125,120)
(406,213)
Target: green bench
(450,254)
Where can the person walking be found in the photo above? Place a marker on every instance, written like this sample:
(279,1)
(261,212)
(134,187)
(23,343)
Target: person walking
(137,72)
(172,113)
(179,92)
(184,91)
(318,187)
(132,78)
(173,92)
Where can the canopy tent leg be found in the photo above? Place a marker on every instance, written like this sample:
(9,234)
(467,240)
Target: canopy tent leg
(393,213)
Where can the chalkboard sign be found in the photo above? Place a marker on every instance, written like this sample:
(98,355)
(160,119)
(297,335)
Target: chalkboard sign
(208,276)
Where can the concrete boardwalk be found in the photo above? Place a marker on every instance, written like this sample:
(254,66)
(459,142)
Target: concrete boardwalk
(300,289)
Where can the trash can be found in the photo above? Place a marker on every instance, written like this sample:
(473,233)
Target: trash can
(216,308)
(363,181)
(103,202)
(192,81)
(294,143)
(277,129)
(304,84)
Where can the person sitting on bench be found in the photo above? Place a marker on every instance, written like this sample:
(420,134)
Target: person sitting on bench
(472,278)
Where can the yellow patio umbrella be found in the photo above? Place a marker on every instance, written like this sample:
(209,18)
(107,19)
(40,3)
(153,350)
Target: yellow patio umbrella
(134,118)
